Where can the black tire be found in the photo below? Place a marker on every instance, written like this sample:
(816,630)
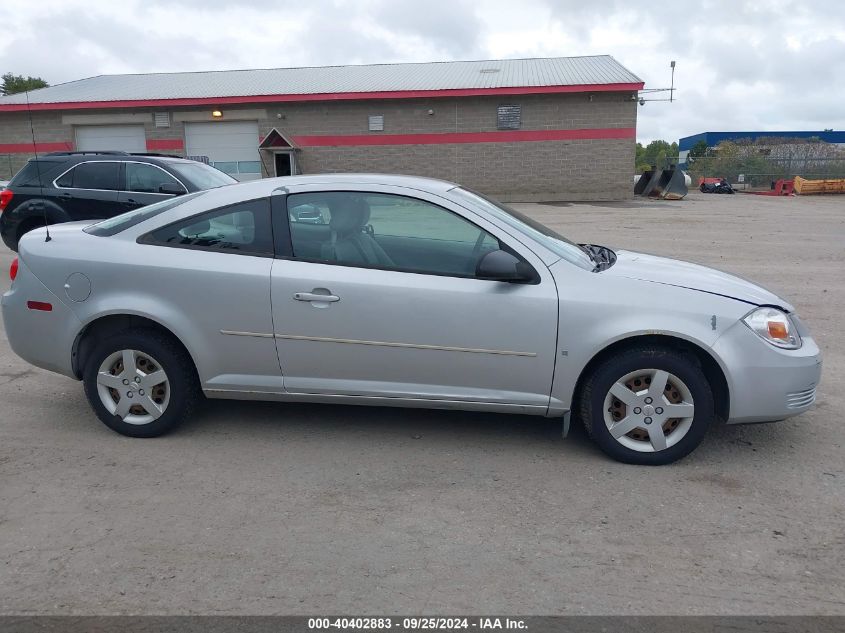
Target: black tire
(25,227)
(596,387)
(185,392)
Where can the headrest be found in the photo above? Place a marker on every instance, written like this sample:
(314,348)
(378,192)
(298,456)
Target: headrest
(349,214)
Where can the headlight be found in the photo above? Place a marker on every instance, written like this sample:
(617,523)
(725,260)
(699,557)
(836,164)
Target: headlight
(773,326)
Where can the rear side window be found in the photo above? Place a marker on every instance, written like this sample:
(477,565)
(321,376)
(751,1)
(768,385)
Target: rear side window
(242,228)
(121,222)
(94,175)
(29,174)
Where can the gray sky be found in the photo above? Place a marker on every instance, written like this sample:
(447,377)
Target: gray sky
(740,65)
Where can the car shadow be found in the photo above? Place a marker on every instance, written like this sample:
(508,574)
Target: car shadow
(385,424)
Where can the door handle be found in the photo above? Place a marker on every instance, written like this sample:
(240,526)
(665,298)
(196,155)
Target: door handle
(65,196)
(313,296)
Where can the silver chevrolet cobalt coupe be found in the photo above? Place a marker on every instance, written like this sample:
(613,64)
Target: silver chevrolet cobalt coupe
(399,291)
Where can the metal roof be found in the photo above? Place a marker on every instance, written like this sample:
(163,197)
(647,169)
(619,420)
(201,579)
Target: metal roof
(714,138)
(383,79)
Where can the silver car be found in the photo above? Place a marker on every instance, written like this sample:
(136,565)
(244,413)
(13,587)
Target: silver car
(399,291)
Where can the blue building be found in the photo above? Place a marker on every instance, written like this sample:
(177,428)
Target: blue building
(714,138)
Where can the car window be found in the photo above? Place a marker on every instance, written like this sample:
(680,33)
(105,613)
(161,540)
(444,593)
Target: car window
(242,228)
(92,175)
(145,178)
(385,231)
(202,176)
(118,223)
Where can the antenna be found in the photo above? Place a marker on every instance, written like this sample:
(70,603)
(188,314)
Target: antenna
(37,166)
(672,88)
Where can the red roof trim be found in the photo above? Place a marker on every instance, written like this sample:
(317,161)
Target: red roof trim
(326,96)
(504,136)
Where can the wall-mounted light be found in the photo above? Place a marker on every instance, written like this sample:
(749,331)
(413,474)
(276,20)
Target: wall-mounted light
(431,112)
(217,114)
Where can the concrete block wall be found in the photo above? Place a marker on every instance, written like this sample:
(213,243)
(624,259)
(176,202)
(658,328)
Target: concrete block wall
(581,169)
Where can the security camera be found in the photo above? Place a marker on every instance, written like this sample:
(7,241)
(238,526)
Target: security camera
(642,101)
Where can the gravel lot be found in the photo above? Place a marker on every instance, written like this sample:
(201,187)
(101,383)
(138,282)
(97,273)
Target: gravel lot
(257,508)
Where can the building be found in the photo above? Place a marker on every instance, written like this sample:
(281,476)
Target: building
(714,138)
(524,129)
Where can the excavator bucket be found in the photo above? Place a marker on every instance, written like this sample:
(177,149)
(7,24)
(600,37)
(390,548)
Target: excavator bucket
(666,184)
(646,182)
(670,185)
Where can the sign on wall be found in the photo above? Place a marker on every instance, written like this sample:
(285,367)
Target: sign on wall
(509,117)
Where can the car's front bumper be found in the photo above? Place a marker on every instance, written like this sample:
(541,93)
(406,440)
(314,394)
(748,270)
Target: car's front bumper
(767,383)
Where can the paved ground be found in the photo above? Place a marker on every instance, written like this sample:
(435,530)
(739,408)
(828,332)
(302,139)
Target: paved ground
(264,508)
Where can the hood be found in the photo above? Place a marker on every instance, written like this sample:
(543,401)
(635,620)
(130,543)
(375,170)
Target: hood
(673,272)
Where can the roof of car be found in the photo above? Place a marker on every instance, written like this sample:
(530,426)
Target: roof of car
(265,186)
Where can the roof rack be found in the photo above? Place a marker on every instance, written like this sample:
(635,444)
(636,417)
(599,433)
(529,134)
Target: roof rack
(83,152)
(154,154)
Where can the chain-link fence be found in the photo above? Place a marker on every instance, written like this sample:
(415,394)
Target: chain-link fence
(761,171)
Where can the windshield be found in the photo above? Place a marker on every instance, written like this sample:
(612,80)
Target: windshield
(552,240)
(121,222)
(201,175)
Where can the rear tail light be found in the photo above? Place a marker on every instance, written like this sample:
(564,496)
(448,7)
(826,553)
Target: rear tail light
(13,269)
(5,198)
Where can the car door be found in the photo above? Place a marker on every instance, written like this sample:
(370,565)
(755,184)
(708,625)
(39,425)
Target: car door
(215,272)
(89,190)
(386,304)
(142,184)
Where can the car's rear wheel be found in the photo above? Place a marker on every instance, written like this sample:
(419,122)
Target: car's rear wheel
(648,405)
(140,383)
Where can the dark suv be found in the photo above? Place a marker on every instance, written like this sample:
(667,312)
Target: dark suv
(68,186)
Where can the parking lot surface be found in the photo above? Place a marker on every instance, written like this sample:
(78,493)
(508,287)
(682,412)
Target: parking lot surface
(262,508)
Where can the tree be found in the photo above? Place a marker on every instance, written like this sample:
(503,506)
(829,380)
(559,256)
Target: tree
(657,153)
(699,150)
(13,84)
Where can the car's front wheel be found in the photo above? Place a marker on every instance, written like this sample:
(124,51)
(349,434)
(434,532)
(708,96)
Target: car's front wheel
(140,383)
(648,405)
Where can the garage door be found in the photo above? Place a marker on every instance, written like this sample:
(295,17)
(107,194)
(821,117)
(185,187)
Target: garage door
(125,138)
(231,146)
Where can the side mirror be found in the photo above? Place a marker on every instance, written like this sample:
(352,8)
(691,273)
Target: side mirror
(171,188)
(503,266)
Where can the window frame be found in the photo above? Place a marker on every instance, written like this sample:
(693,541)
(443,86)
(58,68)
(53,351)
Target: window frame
(148,239)
(85,162)
(284,239)
(124,177)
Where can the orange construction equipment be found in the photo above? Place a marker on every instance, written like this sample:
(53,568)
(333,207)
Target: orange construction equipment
(780,187)
(805,187)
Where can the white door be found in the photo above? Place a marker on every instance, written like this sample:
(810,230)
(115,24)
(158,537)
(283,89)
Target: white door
(98,138)
(231,146)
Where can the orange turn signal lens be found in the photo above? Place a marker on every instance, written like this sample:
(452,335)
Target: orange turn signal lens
(777,330)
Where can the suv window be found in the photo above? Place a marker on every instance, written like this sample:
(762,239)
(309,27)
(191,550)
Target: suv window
(241,228)
(145,178)
(385,231)
(91,175)
(201,175)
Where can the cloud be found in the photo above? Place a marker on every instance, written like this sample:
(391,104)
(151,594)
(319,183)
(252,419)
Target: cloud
(740,65)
